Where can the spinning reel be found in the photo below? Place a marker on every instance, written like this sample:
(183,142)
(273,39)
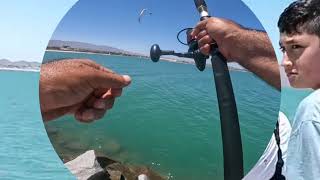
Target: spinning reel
(193,51)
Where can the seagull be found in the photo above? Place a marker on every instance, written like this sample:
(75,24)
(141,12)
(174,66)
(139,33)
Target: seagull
(143,12)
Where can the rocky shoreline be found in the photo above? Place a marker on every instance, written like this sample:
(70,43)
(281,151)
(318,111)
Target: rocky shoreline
(94,166)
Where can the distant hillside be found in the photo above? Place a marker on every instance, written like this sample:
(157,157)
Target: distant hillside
(7,64)
(87,47)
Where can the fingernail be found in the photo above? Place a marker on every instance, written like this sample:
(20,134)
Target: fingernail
(127,79)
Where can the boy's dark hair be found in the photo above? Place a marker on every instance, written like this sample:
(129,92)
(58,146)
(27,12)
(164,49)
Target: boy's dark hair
(301,16)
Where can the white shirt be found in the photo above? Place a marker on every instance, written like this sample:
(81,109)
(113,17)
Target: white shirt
(266,165)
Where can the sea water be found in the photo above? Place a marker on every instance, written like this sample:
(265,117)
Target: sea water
(25,152)
(168,118)
(290,99)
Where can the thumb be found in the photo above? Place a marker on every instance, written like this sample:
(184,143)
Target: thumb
(104,79)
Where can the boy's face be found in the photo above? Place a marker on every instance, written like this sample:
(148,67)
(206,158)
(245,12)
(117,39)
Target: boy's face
(301,59)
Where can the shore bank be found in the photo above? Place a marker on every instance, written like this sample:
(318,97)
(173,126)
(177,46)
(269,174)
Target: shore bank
(19,69)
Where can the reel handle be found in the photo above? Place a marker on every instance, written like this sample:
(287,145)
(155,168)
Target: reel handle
(156,52)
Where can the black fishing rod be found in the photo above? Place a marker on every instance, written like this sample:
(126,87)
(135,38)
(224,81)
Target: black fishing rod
(230,129)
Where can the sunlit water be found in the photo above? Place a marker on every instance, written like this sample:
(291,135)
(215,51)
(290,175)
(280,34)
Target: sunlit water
(25,152)
(168,119)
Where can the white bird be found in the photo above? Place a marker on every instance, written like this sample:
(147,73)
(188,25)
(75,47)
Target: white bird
(143,12)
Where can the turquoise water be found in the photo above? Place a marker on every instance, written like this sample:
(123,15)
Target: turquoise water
(290,99)
(26,152)
(168,119)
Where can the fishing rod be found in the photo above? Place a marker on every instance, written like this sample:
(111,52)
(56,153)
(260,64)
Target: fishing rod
(230,129)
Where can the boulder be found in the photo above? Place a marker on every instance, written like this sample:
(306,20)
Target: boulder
(85,166)
(90,166)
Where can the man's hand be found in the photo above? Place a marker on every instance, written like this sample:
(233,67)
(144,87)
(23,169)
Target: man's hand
(80,87)
(250,48)
(221,31)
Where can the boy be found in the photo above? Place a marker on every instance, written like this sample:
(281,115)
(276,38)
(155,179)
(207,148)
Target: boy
(299,27)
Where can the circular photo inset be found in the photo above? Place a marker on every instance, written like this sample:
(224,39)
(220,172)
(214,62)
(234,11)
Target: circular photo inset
(111,112)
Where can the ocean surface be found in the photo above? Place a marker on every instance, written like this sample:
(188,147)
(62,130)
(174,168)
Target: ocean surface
(290,99)
(25,151)
(166,119)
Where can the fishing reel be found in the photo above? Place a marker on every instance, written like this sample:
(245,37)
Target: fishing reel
(193,51)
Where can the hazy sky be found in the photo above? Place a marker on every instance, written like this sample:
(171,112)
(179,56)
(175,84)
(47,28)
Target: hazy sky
(269,18)
(115,23)
(268,13)
(27,26)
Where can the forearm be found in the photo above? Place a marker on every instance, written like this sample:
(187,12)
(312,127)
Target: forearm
(255,53)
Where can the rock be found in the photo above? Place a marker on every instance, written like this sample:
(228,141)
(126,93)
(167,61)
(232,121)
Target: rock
(115,174)
(111,147)
(100,176)
(104,161)
(133,172)
(85,166)
(90,166)
(143,177)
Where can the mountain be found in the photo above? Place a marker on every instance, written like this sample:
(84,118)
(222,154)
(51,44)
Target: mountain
(87,47)
(5,62)
(23,65)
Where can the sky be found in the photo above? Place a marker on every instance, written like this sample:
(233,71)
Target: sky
(27,26)
(115,23)
(269,20)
